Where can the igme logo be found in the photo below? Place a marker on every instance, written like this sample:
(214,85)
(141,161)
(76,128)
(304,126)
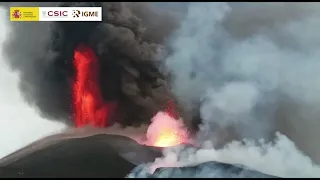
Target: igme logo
(78,13)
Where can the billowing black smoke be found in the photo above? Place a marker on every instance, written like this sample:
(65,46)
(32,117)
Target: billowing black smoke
(125,42)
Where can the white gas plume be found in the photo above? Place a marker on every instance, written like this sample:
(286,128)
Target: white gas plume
(253,68)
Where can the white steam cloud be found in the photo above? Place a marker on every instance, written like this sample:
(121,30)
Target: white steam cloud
(254,69)
(280,159)
(19,123)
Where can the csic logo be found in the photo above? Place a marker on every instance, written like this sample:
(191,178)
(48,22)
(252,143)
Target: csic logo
(55,13)
(16,14)
(78,13)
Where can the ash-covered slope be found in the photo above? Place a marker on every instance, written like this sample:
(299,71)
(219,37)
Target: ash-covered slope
(203,170)
(94,156)
(208,169)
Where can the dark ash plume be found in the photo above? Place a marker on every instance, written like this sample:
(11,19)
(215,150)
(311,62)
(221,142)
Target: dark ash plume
(42,53)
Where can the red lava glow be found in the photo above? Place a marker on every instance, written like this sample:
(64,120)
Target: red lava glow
(89,107)
(166,130)
(171,109)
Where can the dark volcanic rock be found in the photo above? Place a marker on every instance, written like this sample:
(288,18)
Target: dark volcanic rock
(210,170)
(94,156)
(203,170)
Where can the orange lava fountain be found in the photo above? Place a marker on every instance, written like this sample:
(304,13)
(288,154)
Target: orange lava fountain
(89,107)
(167,129)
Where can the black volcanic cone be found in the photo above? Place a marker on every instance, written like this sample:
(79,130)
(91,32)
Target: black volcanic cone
(93,156)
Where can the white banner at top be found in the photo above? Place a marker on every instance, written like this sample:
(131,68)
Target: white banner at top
(70,14)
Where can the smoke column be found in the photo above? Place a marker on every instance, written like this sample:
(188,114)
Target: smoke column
(43,52)
(252,78)
(19,123)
